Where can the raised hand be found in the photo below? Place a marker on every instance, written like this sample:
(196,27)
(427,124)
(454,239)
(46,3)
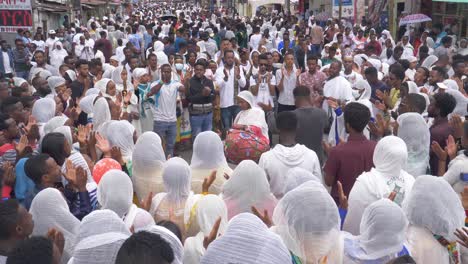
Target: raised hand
(57,238)
(438,151)
(457,125)
(9,174)
(213,234)
(343,200)
(116,154)
(83,132)
(147,202)
(208,181)
(380,126)
(462,235)
(21,145)
(264,217)
(451,147)
(102,143)
(128,97)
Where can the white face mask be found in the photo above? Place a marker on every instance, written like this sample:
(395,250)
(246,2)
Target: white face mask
(179,66)
(356,94)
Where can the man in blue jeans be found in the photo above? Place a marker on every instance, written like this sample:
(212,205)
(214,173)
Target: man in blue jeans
(200,94)
(165,94)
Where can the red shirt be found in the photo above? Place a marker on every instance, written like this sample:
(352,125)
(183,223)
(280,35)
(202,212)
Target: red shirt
(347,161)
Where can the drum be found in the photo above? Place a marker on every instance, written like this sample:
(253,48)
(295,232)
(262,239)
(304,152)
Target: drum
(245,144)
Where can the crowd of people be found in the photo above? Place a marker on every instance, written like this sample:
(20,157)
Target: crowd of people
(311,141)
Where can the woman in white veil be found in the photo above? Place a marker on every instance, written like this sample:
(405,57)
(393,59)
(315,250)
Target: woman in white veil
(249,241)
(414,131)
(99,238)
(43,110)
(208,209)
(147,165)
(382,234)
(386,178)
(248,186)
(121,134)
(50,210)
(307,220)
(101,113)
(57,55)
(208,155)
(177,202)
(115,192)
(434,212)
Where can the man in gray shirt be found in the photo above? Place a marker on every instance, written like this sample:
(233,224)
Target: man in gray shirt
(311,121)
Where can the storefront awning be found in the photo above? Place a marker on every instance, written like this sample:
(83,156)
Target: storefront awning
(93,3)
(257,3)
(54,8)
(451,1)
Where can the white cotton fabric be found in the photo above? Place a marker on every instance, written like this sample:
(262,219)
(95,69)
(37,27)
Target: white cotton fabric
(101,113)
(253,116)
(66,132)
(91,91)
(170,238)
(115,192)
(102,86)
(158,49)
(208,209)
(147,165)
(296,177)
(382,234)
(120,134)
(414,131)
(208,155)
(100,236)
(390,156)
(71,74)
(142,219)
(53,123)
(117,79)
(456,167)
(54,82)
(176,179)
(247,187)
(278,161)
(432,207)
(429,61)
(462,101)
(247,240)
(50,210)
(87,103)
(307,220)
(43,110)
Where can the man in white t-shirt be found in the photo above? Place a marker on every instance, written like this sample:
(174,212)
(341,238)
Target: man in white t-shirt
(255,38)
(49,44)
(165,93)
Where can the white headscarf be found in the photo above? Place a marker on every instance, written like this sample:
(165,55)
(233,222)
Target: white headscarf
(253,116)
(429,61)
(142,219)
(66,132)
(54,82)
(115,192)
(147,164)
(159,51)
(57,56)
(208,152)
(71,74)
(434,205)
(53,123)
(101,113)
(170,238)
(50,210)
(120,134)
(247,240)
(176,178)
(43,110)
(366,95)
(92,91)
(19,81)
(307,220)
(382,234)
(87,102)
(117,79)
(102,86)
(462,101)
(209,208)
(296,177)
(248,186)
(99,239)
(414,131)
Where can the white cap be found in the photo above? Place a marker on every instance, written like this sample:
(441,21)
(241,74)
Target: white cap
(442,85)
(51,31)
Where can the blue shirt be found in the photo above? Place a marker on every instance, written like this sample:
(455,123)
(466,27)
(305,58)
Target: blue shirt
(179,40)
(135,40)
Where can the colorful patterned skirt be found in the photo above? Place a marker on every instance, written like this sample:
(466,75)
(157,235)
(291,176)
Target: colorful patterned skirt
(248,144)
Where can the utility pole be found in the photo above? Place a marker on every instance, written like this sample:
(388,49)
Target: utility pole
(340,8)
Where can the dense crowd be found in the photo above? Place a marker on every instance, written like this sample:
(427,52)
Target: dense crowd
(311,141)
